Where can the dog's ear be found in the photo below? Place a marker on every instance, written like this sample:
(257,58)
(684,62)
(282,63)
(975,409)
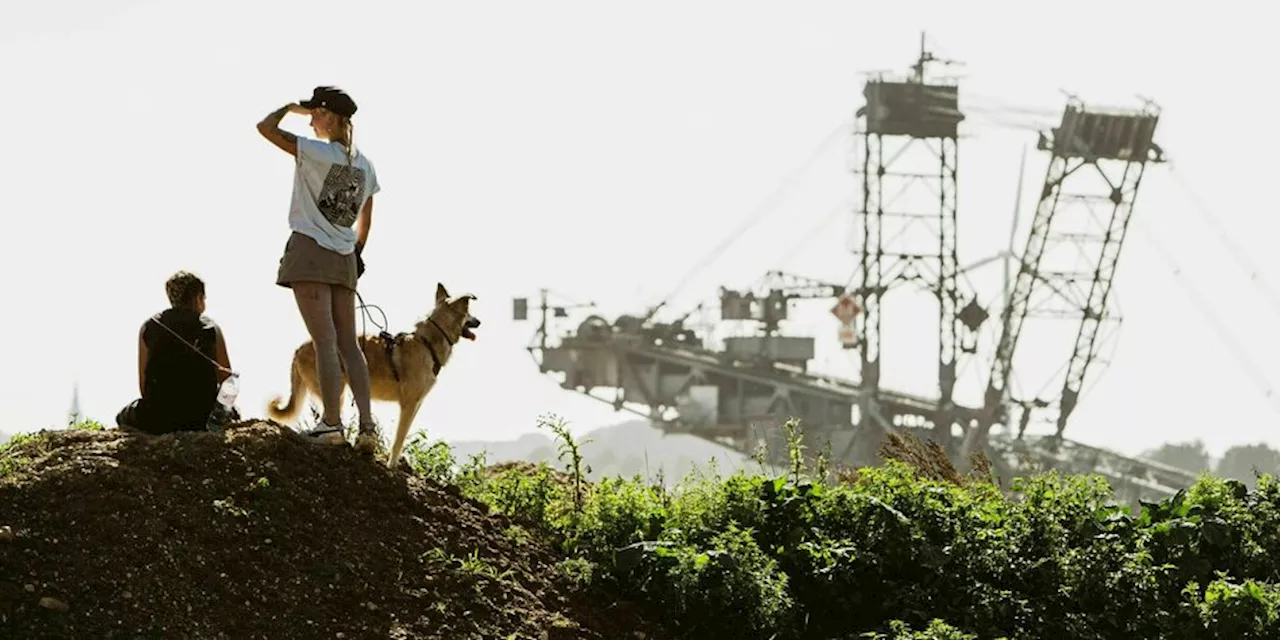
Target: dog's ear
(463,303)
(441,293)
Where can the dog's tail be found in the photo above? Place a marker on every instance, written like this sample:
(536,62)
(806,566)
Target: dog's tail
(289,410)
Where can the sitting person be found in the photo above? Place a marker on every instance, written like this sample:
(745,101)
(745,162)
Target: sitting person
(182,358)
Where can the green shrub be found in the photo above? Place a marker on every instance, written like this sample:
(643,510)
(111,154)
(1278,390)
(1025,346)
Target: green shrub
(907,550)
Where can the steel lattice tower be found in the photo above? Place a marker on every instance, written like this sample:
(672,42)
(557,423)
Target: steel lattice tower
(897,117)
(1097,160)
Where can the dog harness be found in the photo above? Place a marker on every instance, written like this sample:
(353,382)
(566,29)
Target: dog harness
(389,342)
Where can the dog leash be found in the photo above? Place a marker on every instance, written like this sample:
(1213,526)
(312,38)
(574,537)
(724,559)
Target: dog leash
(365,309)
(193,347)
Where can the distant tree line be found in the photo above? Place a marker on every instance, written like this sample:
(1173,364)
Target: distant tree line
(1239,462)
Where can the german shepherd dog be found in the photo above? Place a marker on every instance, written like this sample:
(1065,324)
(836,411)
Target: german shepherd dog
(402,368)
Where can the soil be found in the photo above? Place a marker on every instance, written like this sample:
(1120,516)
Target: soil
(254,533)
(564,480)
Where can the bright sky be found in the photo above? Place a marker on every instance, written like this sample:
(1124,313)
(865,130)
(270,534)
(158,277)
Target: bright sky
(601,149)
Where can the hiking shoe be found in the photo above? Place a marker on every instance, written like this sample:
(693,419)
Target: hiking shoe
(369,439)
(325,434)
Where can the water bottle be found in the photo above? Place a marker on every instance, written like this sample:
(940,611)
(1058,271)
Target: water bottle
(222,411)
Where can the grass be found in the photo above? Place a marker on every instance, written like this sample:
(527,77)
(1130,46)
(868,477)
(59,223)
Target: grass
(13,456)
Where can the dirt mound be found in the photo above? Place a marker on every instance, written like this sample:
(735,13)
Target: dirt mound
(560,478)
(256,534)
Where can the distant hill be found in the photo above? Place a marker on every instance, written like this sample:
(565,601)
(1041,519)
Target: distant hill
(625,449)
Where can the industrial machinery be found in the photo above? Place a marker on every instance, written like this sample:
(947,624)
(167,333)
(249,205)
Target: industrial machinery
(1097,160)
(908,231)
(738,390)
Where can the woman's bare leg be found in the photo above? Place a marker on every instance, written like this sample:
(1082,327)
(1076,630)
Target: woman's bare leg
(316,306)
(344,321)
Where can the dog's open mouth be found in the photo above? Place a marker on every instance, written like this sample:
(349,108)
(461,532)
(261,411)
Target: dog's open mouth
(467,332)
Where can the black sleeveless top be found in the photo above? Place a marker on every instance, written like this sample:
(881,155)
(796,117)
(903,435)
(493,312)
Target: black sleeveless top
(181,386)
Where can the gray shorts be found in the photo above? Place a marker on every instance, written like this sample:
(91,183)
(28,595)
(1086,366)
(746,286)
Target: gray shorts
(306,261)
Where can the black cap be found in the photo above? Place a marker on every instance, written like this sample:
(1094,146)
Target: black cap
(333,99)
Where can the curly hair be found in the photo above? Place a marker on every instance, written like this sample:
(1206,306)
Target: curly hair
(183,288)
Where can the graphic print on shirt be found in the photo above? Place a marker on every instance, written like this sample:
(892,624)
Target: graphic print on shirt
(341,195)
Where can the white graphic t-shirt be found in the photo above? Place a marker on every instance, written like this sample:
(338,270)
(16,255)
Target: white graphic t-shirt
(328,194)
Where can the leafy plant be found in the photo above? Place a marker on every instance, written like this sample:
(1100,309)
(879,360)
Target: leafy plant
(909,550)
(569,452)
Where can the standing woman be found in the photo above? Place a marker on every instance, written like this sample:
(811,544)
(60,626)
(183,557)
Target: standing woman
(330,215)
